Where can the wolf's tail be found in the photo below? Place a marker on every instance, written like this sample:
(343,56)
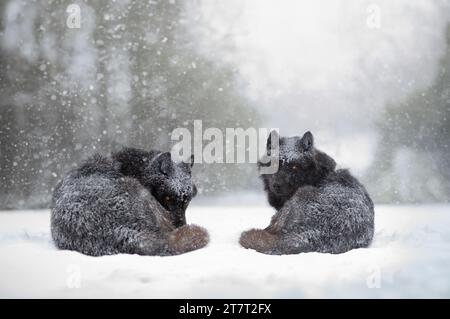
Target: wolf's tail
(266,242)
(187,238)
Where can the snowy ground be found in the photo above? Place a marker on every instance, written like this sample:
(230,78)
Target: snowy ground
(410,257)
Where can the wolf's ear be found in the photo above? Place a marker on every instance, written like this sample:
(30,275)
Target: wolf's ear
(307,141)
(164,163)
(272,136)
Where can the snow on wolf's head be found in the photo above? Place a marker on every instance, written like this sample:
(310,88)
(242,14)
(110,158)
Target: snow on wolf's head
(169,182)
(300,164)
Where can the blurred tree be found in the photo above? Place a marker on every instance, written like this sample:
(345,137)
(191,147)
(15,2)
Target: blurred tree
(413,158)
(128,76)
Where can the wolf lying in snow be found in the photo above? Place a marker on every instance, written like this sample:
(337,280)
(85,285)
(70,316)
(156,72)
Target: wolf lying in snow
(318,208)
(133,202)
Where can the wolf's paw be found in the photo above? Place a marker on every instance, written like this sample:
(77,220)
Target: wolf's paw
(259,240)
(188,238)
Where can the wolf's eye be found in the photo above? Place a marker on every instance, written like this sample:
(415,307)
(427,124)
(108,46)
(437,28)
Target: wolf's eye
(295,167)
(167,199)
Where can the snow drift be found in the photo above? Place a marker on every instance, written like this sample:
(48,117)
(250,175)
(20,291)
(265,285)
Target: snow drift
(410,257)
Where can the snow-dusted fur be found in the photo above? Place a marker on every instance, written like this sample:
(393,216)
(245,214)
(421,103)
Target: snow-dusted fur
(318,208)
(106,206)
(171,184)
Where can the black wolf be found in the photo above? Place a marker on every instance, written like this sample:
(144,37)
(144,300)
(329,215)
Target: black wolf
(319,208)
(132,202)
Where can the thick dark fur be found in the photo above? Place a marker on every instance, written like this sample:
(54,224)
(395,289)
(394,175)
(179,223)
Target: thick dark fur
(133,203)
(319,208)
(171,184)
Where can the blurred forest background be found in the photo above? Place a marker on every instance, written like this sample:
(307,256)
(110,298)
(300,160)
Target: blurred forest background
(135,70)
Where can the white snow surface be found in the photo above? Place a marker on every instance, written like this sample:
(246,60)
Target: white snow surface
(410,257)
